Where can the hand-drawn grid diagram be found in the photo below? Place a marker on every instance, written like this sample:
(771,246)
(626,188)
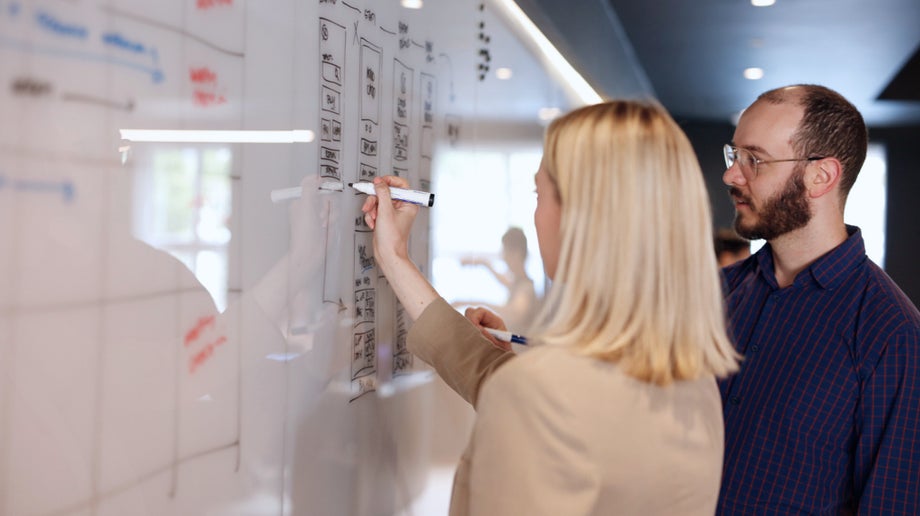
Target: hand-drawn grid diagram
(332,56)
(403,81)
(369,101)
(103,370)
(123,379)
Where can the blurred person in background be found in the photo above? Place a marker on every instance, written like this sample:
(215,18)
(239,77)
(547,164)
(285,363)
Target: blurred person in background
(521,303)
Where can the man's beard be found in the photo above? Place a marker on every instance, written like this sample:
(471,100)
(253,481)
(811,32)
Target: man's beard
(784,212)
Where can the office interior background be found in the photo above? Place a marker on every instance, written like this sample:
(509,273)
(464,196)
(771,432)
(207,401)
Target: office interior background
(285,419)
(704,61)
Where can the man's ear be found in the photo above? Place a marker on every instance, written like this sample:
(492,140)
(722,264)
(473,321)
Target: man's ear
(822,176)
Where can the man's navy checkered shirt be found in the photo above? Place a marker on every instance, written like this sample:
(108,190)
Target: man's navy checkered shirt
(824,415)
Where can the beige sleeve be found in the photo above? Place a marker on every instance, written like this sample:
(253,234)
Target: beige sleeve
(456,349)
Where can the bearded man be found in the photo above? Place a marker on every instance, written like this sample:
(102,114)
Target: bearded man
(824,415)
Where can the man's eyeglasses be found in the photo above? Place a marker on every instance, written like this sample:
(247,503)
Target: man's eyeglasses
(749,163)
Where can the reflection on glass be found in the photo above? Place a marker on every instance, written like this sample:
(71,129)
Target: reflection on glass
(183,203)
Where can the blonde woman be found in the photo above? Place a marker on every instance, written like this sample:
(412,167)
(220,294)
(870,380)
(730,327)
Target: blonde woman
(617,412)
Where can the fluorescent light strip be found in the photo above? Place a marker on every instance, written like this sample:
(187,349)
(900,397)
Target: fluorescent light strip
(579,85)
(201,136)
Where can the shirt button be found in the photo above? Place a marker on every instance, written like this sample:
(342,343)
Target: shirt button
(735,400)
(755,348)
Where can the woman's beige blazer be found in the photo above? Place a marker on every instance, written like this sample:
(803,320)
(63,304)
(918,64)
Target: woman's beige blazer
(561,434)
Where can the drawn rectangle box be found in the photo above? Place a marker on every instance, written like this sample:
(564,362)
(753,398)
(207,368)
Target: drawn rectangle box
(366,172)
(332,73)
(402,359)
(332,100)
(370,64)
(336,130)
(325,133)
(400,138)
(427,142)
(363,353)
(368,147)
(329,154)
(327,170)
(365,306)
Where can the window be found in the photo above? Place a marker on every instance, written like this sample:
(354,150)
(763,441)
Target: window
(867,204)
(484,193)
(183,206)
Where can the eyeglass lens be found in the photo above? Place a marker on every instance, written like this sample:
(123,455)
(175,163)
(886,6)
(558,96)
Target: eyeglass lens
(744,159)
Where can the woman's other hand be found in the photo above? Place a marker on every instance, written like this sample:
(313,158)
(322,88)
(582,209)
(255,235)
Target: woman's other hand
(483,318)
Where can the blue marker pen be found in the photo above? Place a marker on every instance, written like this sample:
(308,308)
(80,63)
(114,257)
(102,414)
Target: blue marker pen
(507,336)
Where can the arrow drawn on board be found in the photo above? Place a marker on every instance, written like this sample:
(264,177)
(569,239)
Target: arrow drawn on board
(65,188)
(89,99)
(77,54)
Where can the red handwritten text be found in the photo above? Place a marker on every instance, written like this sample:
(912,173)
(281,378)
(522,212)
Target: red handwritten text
(205,87)
(208,4)
(202,75)
(193,334)
(206,98)
(198,359)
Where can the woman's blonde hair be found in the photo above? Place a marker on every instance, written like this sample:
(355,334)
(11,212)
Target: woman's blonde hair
(637,281)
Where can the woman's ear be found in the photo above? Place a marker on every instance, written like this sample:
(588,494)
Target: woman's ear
(822,176)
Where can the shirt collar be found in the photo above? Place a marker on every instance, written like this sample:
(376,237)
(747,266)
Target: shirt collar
(828,270)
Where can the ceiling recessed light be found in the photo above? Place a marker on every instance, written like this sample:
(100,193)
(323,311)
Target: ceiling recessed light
(411,4)
(762,3)
(753,73)
(503,73)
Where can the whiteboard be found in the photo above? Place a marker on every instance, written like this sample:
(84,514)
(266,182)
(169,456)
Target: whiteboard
(172,341)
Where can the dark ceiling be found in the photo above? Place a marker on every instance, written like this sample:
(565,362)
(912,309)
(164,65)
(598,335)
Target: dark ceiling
(690,54)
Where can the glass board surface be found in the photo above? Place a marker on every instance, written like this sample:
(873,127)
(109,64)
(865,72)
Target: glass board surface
(182,331)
